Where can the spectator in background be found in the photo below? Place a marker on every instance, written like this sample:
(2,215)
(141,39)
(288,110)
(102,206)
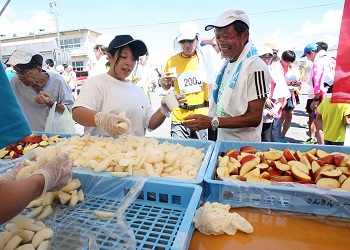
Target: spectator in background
(278,71)
(240,90)
(194,69)
(144,76)
(37,89)
(333,117)
(101,50)
(71,79)
(50,65)
(323,65)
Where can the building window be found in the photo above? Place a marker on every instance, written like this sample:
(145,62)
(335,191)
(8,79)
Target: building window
(79,66)
(74,43)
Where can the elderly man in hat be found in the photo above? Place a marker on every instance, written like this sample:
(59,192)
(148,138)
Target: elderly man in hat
(239,93)
(192,72)
(37,89)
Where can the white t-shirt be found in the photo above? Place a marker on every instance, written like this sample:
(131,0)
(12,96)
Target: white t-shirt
(252,86)
(104,93)
(100,67)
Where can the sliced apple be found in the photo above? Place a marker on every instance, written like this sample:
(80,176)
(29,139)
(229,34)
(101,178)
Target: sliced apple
(298,155)
(301,166)
(235,162)
(317,175)
(288,154)
(342,178)
(312,151)
(265,175)
(304,160)
(282,178)
(254,171)
(315,166)
(249,157)
(328,182)
(310,157)
(278,166)
(273,172)
(338,159)
(223,161)
(328,159)
(233,168)
(248,149)
(346,184)
(262,166)
(232,153)
(332,173)
(298,174)
(222,172)
(321,162)
(345,171)
(321,153)
(283,160)
(237,177)
(248,166)
(273,155)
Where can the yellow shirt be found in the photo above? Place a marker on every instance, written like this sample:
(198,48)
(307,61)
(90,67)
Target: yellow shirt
(332,119)
(187,67)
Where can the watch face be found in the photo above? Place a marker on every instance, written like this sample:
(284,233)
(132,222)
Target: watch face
(215,123)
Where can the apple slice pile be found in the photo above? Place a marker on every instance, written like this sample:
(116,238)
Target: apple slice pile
(27,145)
(329,170)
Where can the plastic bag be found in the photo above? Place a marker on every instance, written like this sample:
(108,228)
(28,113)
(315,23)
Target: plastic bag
(60,123)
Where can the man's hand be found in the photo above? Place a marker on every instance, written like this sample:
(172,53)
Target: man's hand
(197,122)
(44,98)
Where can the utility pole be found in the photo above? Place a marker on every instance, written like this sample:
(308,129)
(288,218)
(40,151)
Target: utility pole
(54,8)
(2,11)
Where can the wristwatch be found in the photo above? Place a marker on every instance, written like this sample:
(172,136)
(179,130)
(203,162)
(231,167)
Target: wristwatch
(214,123)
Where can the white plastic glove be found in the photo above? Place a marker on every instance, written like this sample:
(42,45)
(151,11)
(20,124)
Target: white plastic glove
(114,125)
(164,109)
(11,174)
(56,172)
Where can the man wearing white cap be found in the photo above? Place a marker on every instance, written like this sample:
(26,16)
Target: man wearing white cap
(240,90)
(37,89)
(191,71)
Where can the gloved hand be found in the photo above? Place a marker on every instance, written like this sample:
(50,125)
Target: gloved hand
(164,109)
(114,125)
(56,172)
(11,174)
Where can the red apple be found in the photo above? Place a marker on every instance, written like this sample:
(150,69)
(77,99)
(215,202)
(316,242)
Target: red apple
(328,159)
(249,157)
(338,159)
(288,154)
(248,149)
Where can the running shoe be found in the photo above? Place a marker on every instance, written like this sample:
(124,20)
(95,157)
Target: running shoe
(283,140)
(311,141)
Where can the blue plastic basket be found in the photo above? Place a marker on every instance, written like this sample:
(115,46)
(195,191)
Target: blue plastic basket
(161,217)
(302,198)
(208,147)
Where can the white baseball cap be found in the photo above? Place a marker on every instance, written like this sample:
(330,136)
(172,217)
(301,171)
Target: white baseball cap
(262,50)
(25,55)
(227,17)
(187,31)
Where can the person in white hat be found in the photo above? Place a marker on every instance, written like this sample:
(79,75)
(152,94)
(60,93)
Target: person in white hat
(240,90)
(192,72)
(101,50)
(37,89)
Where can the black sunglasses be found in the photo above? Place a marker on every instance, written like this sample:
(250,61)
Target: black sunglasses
(187,41)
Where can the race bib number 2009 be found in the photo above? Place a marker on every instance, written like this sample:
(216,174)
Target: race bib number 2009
(189,83)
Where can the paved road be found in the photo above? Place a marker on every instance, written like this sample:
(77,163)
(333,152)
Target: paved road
(297,133)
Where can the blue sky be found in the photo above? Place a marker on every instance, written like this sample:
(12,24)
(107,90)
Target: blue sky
(289,24)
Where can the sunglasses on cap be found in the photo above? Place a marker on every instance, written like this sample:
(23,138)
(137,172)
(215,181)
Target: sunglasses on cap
(186,41)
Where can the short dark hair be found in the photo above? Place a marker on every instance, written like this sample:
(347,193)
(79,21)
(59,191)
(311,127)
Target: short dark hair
(49,62)
(322,46)
(288,56)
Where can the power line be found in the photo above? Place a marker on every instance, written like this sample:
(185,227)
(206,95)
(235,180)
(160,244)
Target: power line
(205,19)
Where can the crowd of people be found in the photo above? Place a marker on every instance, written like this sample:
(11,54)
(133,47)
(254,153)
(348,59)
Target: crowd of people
(227,89)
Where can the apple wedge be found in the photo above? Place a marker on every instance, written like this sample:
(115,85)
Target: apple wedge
(304,160)
(301,166)
(328,159)
(346,184)
(262,166)
(345,171)
(310,157)
(298,174)
(254,179)
(265,175)
(328,182)
(278,166)
(273,155)
(339,160)
(254,171)
(317,175)
(248,149)
(298,155)
(321,153)
(288,154)
(282,178)
(247,158)
(312,151)
(332,173)
(222,172)
(223,161)
(237,177)
(315,166)
(342,178)
(248,166)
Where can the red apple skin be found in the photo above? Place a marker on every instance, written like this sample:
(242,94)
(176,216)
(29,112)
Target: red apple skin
(310,157)
(329,159)
(247,158)
(233,154)
(248,149)
(288,155)
(287,173)
(273,172)
(283,160)
(320,162)
(297,155)
(32,139)
(282,178)
(338,159)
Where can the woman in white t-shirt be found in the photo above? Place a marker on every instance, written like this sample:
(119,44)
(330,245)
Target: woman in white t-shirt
(104,97)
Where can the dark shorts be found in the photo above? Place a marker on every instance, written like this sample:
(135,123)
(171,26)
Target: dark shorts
(289,105)
(308,109)
(333,143)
